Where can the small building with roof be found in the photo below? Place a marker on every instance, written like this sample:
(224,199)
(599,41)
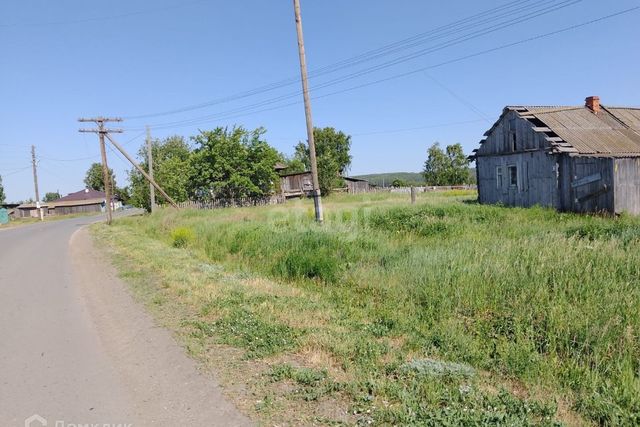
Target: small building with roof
(580,158)
(83,201)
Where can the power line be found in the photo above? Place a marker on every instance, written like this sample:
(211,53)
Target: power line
(15,171)
(380,132)
(222,116)
(88,157)
(459,98)
(413,41)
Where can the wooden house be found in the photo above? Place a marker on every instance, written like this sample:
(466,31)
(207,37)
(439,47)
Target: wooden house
(581,159)
(296,184)
(84,201)
(357,185)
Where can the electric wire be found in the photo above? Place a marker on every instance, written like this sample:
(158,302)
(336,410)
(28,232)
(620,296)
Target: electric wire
(209,118)
(413,41)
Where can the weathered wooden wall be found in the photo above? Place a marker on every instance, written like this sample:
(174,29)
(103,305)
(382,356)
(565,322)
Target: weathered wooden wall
(586,184)
(627,185)
(537,181)
(356,187)
(296,185)
(69,210)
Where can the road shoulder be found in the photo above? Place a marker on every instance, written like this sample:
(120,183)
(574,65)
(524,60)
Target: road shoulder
(169,388)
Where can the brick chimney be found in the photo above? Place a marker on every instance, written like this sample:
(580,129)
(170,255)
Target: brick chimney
(593,103)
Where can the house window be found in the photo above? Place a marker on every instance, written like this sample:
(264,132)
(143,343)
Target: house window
(513,176)
(499,177)
(514,145)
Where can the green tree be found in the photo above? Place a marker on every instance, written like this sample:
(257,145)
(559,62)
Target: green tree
(450,167)
(171,169)
(294,165)
(51,196)
(95,180)
(233,164)
(399,183)
(333,157)
(2,194)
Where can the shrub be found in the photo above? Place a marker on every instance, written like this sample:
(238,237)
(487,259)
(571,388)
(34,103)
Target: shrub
(182,237)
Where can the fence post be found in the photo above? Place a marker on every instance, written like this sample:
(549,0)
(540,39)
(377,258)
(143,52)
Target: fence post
(413,195)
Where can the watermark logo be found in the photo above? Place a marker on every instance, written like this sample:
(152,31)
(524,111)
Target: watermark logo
(35,420)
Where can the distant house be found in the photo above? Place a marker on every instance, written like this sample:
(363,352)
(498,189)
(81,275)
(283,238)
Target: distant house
(30,210)
(581,159)
(296,184)
(11,208)
(357,185)
(84,201)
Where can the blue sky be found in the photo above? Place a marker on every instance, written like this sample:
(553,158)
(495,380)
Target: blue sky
(66,59)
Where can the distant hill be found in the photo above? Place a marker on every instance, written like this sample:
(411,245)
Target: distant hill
(411,178)
(385,179)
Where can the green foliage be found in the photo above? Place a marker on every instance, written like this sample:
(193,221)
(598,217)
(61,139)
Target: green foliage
(51,196)
(2,194)
(232,164)
(295,165)
(332,154)
(399,183)
(464,292)
(171,168)
(182,237)
(246,329)
(124,194)
(446,168)
(314,383)
(94,178)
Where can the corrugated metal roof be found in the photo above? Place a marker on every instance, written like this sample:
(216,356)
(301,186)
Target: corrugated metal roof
(613,132)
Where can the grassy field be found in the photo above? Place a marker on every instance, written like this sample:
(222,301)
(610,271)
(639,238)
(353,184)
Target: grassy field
(442,313)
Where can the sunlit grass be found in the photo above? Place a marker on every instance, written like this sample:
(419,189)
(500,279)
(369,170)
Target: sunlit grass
(540,304)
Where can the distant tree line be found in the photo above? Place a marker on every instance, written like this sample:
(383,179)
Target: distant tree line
(227,163)
(234,163)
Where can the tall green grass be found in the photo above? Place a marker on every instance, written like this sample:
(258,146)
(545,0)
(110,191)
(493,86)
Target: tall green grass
(549,300)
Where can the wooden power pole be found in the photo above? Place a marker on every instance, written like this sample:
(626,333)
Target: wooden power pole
(152,190)
(106,177)
(35,181)
(142,171)
(105,133)
(317,199)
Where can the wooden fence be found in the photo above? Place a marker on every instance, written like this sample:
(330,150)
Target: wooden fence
(231,203)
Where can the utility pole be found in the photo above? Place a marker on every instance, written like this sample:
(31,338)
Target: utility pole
(35,181)
(105,133)
(317,199)
(152,190)
(106,177)
(142,171)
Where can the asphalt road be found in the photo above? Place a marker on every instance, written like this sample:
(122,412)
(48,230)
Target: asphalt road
(76,349)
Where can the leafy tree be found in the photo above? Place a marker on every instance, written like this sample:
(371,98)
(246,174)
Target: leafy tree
(448,167)
(2,194)
(51,196)
(124,194)
(332,154)
(295,165)
(95,180)
(171,169)
(232,164)
(399,183)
